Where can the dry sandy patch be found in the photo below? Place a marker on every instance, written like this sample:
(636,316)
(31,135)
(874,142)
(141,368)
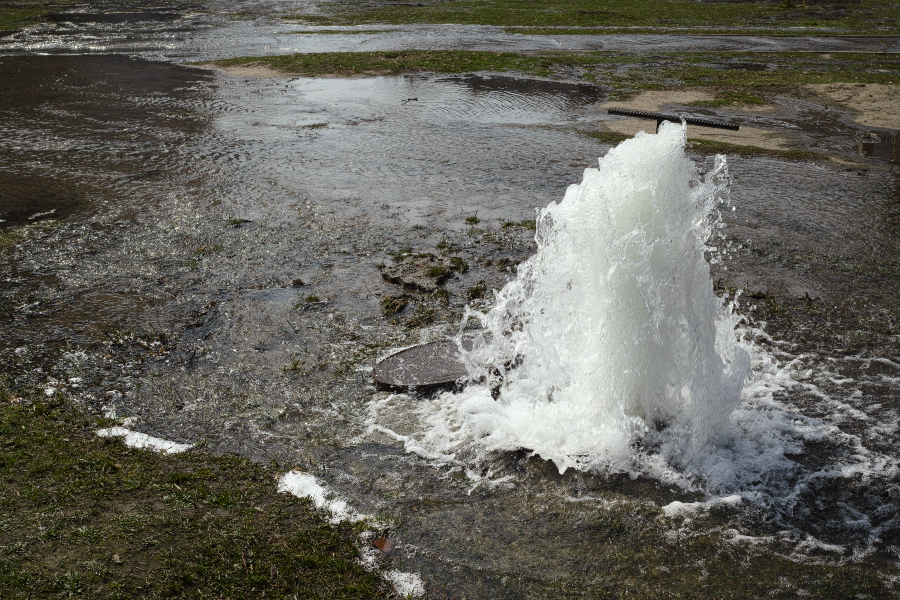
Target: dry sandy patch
(875,104)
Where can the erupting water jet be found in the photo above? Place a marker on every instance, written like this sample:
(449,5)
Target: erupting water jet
(611,335)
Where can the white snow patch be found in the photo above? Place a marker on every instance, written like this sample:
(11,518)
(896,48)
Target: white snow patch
(408,585)
(136,439)
(368,557)
(304,485)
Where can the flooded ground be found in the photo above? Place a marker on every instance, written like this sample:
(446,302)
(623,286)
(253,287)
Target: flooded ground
(185,32)
(202,254)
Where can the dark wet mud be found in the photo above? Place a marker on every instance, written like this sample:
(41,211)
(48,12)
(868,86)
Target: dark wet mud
(205,254)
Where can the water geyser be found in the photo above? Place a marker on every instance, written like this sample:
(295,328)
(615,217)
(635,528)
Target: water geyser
(610,338)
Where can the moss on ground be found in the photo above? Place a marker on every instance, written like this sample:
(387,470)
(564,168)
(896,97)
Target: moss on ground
(82,516)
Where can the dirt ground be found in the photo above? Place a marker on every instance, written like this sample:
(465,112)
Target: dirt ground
(246,70)
(875,104)
(658,101)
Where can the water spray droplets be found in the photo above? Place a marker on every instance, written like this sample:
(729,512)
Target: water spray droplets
(610,338)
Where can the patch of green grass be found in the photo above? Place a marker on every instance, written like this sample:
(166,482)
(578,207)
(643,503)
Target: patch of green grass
(505,263)
(311,298)
(604,137)
(438,272)
(207,248)
(655,15)
(397,62)
(391,305)
(477,291)
(458,264)
(714,147)
(423,315)
(338,31)
(11,238)
(316,126)
(15,15)
(529,224)
(402,253)
(473,219)
(88,517)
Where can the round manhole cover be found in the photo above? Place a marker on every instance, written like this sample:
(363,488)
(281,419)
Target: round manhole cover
(432,365)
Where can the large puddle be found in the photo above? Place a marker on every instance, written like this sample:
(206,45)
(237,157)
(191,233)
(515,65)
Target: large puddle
(215,276)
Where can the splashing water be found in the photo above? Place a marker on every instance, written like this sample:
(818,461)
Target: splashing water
(611,334)
(610,352)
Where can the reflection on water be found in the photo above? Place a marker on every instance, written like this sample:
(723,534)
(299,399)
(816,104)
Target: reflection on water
(883,148)
(78,133)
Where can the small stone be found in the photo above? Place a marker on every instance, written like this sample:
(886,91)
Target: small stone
(116,559)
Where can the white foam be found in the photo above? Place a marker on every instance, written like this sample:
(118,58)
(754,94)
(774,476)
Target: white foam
(134,439)
(677,508)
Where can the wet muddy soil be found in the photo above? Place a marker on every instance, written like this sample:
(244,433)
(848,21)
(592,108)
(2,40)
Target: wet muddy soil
(206,253)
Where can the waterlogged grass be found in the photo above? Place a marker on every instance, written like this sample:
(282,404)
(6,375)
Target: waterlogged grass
(739,77)
(715,147)
(338,32)
(15,15)
(867,17)
(676,30)
(399,62)
(82,516)
(11,238)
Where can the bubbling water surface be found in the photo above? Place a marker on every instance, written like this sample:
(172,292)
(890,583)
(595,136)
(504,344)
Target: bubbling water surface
(611,335)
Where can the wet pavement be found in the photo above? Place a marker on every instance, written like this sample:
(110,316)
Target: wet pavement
(203,255)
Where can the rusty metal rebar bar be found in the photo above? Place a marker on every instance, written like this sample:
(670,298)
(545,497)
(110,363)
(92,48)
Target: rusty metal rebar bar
(660,117)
